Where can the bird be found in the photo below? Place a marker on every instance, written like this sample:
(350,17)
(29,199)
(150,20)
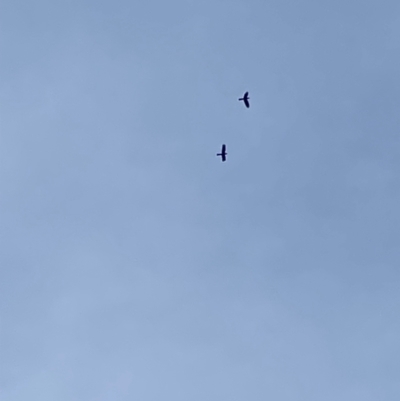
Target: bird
(223,153)
(245,99)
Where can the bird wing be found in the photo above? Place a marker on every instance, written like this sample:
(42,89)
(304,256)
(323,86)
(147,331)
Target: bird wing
(246,95)
(223,148)
(223,157)
(246,102)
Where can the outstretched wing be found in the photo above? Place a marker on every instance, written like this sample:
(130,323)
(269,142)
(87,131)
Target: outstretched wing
(246,95)
(223,151)
(246,102)
(223,156)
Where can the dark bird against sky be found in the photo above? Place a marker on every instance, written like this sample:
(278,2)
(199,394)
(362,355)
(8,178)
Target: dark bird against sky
(245,99)
(223,153)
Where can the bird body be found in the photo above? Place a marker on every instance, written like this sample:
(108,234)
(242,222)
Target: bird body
(223,153)
(245,99)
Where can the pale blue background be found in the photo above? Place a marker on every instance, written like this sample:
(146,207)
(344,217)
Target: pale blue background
(137,266)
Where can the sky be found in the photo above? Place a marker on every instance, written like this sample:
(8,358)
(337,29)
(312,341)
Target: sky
(137,266)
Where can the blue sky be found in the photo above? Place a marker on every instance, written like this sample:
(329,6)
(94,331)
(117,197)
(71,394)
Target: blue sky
(137,266)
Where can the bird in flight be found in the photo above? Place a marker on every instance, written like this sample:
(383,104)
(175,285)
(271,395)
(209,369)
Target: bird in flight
(245,99)
(223,153)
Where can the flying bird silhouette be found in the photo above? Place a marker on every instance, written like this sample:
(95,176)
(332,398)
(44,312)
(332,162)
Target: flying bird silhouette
(223,153)
(245,99)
